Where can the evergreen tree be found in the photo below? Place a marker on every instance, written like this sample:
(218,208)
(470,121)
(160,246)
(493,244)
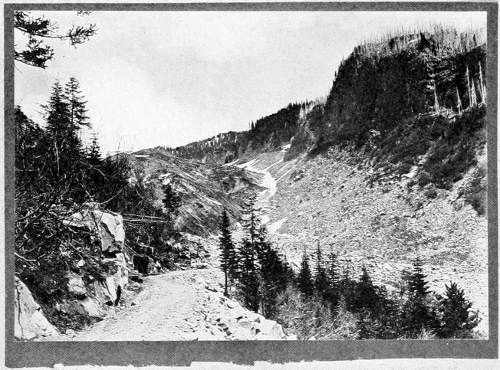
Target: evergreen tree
(333,279)
(457,321)
(76,103)
(366,297)
(418,313)
(228,253)
(417,284)
(304,279)
(94,156)
(248,279)
(320,278)
(95,178)
(273,275)
(66,154)
(36,52)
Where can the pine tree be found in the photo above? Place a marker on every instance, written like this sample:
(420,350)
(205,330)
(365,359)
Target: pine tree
(418,313)
(347,288)
(304,279)
(228,254)
(320,278)
(248,279)
(366,295)
(417,284)
(457,321)
(66,148)
(95,179)
(37,30)
(76,103)
(273,274)
(333,277)
(94,156)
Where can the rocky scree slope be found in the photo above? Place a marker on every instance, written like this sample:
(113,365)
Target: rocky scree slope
(383,227)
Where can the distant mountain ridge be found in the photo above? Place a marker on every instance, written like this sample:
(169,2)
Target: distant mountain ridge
(267,134)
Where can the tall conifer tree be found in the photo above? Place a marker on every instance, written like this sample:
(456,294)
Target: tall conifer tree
(228,253)
(304,279)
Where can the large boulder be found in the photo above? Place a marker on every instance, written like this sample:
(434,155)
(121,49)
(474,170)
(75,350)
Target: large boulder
(89,307)
(106,224)
(29,320)
(108,291)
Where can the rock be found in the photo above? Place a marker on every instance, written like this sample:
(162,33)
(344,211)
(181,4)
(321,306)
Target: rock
(271,329)
(106,291)
(90,307)
(76,286)
(246,324)
(29,320)
(211,288)
(108,225)
(80,263)
(134,286)
(109,290)
(231,304)
(112,231)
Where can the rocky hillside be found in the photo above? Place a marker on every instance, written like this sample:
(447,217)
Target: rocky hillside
(326,200)
(205,188)
(412,104)
(404,100)
(390,167)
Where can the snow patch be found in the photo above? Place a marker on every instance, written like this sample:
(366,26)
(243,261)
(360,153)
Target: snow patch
(275,226)
(249,165)
(232,163)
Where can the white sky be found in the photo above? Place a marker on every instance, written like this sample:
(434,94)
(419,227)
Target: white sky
(170,78)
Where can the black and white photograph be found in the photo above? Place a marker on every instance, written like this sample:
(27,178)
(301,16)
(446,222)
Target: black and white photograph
(250,175)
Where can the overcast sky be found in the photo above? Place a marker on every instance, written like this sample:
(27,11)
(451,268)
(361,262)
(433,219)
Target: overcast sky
(170,78)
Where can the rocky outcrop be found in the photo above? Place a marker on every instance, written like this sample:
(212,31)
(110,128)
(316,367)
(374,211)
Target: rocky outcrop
(106,224)
(108,291)
(29,320)
(95,282)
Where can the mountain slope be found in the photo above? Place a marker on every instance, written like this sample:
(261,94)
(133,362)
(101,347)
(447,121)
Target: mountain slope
(205,189)
(390,167)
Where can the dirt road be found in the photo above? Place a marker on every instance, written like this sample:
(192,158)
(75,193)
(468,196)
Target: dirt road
(179,305)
